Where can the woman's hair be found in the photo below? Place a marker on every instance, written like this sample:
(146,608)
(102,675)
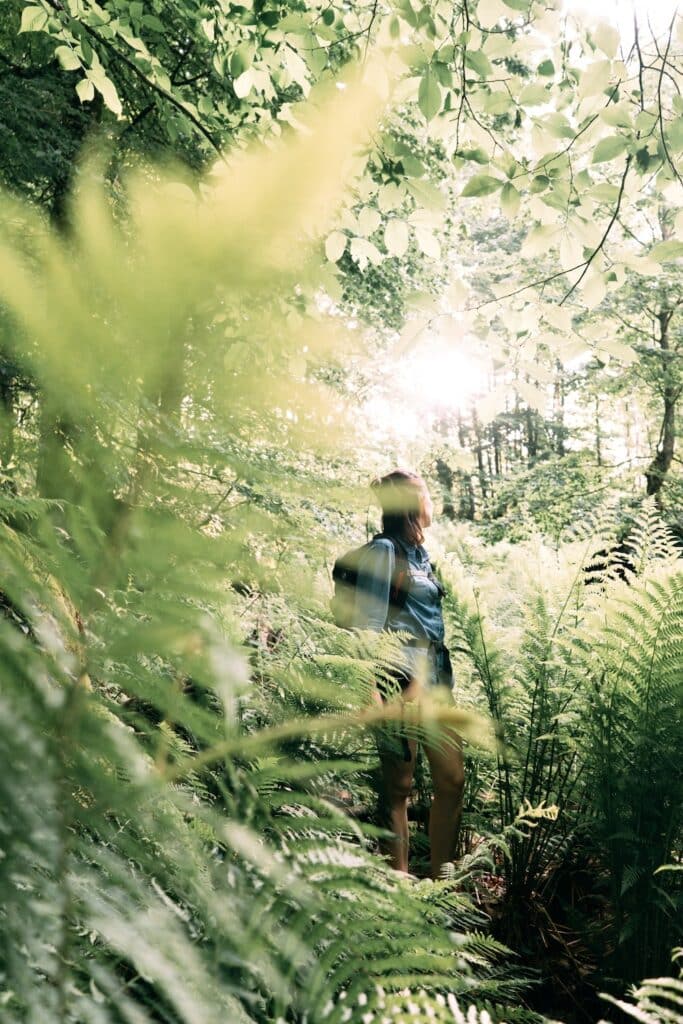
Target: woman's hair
(401,498)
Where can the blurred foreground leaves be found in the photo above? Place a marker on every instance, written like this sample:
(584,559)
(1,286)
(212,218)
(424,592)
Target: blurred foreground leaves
(150,871)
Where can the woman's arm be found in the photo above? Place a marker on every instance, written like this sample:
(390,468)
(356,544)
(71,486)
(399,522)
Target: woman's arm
(375,572)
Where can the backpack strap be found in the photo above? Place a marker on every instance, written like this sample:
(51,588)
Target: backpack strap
(435,577)
(400,577)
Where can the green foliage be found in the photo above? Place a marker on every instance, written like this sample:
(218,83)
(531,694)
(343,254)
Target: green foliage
(655,1001)
(582,674)
(547,498)
(173,849)
(533,703)
(630,664)
(186,826)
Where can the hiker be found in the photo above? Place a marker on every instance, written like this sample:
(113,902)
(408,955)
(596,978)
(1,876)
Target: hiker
(406,513)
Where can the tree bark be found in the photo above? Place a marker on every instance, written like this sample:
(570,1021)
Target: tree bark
(467,506)
(671,391)
(598,432)
(479,452)
(531,436)
(497,453)
(445,477)
(558,402)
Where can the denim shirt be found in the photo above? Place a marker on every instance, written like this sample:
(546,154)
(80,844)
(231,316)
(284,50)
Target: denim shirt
(421,614)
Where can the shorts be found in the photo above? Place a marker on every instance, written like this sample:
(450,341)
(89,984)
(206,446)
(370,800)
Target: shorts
(430,665)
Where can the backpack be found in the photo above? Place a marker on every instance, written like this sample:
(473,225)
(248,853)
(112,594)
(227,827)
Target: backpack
(347,579)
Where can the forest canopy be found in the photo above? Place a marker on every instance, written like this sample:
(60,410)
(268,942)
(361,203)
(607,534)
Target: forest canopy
(252,256)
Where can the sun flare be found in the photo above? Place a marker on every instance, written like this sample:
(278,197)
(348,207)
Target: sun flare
(436,381)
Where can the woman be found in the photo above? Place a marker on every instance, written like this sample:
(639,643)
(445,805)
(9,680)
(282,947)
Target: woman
(406,513)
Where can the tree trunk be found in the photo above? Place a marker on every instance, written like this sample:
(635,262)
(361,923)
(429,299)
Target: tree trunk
(598,432)
(531,436)
(479,452)
(661,463)
(445,477)
(558,402)
(497,453)
(467,507)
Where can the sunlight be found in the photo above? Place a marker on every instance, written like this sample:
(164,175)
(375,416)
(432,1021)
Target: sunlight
(653,15)
(435,381)
(440,378)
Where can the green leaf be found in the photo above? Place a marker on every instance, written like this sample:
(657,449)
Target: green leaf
(427,243)
(107,90)
(396,237)
(533,96)
(670,250)
(443,73)
(429,94)
(478,62)
(674,135)
(609,148)
(509,200)
(539,183)
(241,59)
(595,79)
(606,37)
(479,156)
(368,221)
(427,194)
(85,90)
(242,85)
(151,21)
(364,252)
(605,193)
(413,167)
(546,68)
(335,245)
(237,64)
(328,16)
(593,290)
(558,126)
(645,122)
(642,159)
(67,58)
(519,5)
(390,197)
(496,103)
(33,19)
(481,185)
(617,115)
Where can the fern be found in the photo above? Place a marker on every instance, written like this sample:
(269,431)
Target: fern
(631,666)
(172,847)
(584,685)
(656,1001)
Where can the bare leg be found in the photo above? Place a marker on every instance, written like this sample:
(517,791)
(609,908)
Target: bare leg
(448,778)
(397,777)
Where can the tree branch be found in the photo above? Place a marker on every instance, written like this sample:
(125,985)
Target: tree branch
(602,241)
(159,89)
(659,104)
